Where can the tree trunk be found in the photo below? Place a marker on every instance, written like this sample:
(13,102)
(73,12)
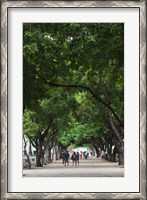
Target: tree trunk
(56,152)
(49,155)
(42,158)
(120,150)
(56,155)
(97,150)
(26,154)
(30,148)
(53,153)
(109,154)
(60,153)
(39,156)
(38,160)
(119,143)
(121,155)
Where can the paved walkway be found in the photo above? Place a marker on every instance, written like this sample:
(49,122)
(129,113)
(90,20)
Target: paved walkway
(92,167)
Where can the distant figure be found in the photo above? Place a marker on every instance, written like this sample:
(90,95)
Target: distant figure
(73,157)
(81,155)
(85,154)
(66,158)
(77,158)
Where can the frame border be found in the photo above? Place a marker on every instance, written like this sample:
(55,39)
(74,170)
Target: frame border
(4,97)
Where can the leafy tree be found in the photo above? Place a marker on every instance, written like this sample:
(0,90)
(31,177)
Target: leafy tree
(78,57)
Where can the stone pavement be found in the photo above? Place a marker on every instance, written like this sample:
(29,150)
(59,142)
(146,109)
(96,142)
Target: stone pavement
(92,167)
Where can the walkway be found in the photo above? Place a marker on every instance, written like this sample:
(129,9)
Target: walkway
(92,167)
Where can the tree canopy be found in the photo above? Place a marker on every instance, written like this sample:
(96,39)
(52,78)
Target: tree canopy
(73,77)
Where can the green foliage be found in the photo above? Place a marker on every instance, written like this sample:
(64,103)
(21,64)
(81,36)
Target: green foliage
(30,125)
(85,54)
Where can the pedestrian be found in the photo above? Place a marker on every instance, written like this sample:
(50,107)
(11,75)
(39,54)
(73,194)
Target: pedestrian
(67,158)
(73,157)
(81,155)
(85,154)
(77,158)
(91,153)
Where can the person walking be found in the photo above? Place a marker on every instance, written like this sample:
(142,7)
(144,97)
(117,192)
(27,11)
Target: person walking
(77,158)
(85,154)
(81,155)
(67,158)
(73,157)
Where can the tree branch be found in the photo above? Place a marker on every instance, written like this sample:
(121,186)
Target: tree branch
(87,89)
(47,129)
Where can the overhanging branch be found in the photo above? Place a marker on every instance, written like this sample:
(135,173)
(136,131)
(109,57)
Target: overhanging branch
(87,88)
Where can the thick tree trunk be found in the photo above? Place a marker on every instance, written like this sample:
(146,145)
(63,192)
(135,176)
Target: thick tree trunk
(53,153)
(49,155)
(30,148)
(119,142)
(97,150)
(56,152)
(56,155)
(28,159)
(120,149)
(121,155)
(42,158)
(38,160)
(109,154)
(26,154)
(39,156)
(40,141)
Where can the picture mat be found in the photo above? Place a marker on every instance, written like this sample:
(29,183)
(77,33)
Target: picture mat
(16,18)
